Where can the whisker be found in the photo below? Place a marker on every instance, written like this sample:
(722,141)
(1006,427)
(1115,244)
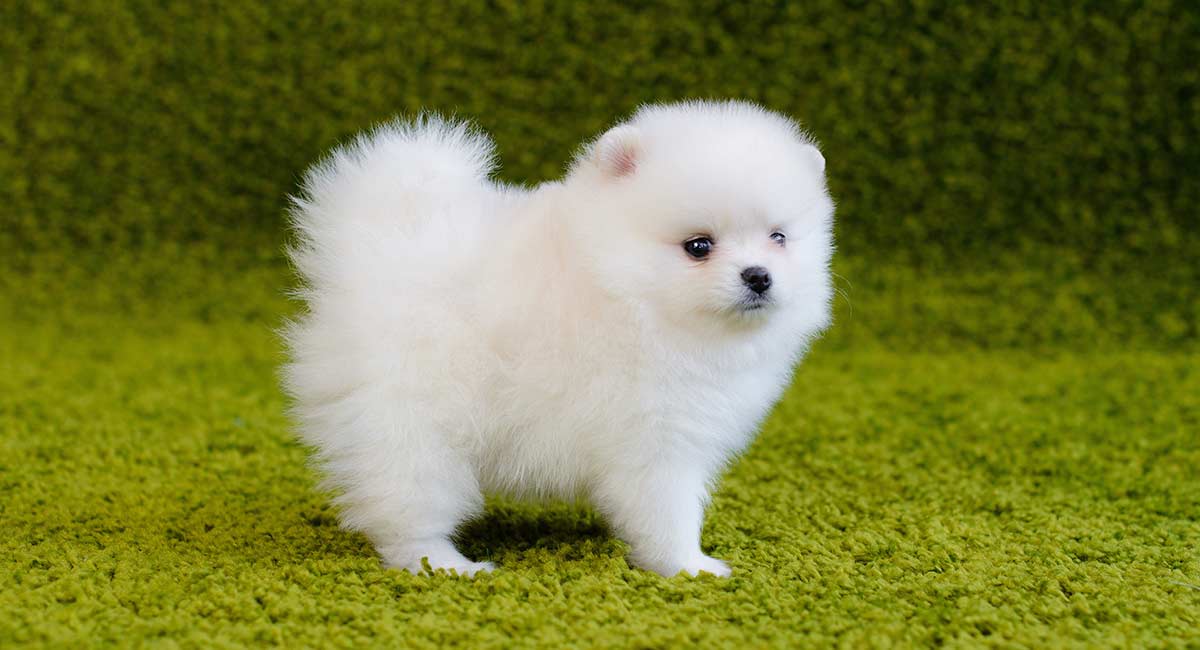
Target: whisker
(843,292)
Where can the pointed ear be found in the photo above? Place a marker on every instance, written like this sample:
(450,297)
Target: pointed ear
(618,152)
(814,154)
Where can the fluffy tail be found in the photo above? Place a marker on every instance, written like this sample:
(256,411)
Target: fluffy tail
(368,200)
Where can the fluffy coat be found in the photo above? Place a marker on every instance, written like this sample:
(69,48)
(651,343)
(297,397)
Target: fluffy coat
(465,337)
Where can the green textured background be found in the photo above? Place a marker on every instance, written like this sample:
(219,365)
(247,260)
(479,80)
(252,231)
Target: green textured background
(1047,152)
(997,442)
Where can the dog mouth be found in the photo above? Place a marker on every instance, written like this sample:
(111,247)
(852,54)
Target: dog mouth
(755,303)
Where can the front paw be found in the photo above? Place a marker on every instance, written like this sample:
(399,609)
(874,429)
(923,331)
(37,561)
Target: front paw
(707,564)
(693,567)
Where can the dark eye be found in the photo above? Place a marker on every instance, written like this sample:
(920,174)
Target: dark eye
(698,247)
(779,238)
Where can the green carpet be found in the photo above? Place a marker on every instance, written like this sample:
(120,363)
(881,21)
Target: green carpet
(152,493)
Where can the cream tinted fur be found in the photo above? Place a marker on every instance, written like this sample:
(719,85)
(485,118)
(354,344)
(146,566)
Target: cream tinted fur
(463,337)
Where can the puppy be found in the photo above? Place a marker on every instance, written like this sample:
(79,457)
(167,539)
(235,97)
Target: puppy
(616,336)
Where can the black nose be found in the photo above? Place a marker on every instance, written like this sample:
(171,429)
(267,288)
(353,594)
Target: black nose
(757,278)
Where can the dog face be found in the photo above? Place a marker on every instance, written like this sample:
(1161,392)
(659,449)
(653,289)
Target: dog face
(713,215)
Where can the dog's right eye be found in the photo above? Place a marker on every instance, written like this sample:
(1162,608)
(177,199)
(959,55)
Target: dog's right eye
(698,247)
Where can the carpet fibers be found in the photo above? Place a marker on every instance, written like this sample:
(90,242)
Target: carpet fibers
(151,492)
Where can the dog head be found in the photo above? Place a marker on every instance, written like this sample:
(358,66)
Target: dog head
(711,214)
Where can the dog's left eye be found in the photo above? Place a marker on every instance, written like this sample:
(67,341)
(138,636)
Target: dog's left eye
(779,238)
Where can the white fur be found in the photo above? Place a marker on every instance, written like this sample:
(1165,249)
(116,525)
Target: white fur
(464,337)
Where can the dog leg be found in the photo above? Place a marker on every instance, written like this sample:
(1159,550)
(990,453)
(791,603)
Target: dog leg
(405,488)
(659,510)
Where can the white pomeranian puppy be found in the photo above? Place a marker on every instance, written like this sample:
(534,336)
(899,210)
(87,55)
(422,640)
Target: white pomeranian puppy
(616,336)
